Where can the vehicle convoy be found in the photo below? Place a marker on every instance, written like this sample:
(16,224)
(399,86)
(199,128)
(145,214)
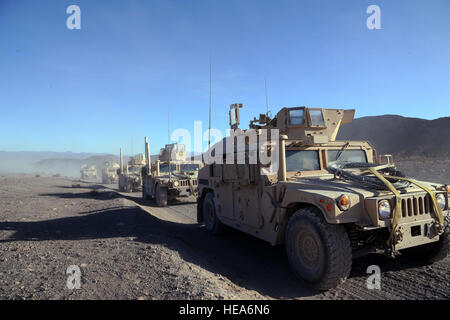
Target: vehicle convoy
(327,201)
(109,173)
(170,176)
(88,172)
(130,179)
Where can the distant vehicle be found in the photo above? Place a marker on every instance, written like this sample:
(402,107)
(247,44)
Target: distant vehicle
(328,201)
(109,173)
(171,176)
(130,179)
(88,172)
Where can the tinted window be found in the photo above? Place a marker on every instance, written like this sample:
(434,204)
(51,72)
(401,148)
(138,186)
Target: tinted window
(296,117)
(347,156)
(302,160)
(316,118)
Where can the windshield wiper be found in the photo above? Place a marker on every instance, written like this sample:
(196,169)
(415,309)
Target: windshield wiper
(342,150)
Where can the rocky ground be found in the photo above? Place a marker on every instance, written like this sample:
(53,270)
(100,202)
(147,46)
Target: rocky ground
(130,249)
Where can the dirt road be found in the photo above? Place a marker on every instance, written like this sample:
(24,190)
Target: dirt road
(127,248)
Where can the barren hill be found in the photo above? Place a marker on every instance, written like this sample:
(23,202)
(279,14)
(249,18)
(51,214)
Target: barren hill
(403,137)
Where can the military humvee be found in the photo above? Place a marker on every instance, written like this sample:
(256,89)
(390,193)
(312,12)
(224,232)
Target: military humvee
(170,176)
(130,179)
(109,173)
(88,172)
(328,201)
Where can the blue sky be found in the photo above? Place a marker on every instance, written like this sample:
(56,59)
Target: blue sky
(112,82)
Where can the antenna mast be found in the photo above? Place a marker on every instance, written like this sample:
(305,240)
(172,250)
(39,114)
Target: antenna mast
(168,143)
(210,99)
(267,97)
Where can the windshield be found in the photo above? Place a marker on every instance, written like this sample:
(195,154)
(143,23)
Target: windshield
(302,160)
(165,167)
(134,169)
(189,167)
(347,156)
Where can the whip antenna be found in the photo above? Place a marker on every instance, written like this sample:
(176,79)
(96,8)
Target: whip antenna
(267,97)
(210,99)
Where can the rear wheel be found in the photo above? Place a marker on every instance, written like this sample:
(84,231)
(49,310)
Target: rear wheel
(212,223)
(161,196)
(319,253)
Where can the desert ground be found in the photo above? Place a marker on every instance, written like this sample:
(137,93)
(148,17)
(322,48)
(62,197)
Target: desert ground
(127,248)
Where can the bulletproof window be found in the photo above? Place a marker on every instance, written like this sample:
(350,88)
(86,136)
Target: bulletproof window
(297,117)
(316,118)
(302,160)
(233,117)
(347,156)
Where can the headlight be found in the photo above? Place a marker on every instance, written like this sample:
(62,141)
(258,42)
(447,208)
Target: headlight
(384,209)
(175,183)
(441,200)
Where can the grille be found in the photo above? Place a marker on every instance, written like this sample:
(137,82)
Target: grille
(185,183)
(417,205)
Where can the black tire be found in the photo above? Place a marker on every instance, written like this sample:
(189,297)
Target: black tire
(143,191)
(161,196)
(431,252)
(319,253)
(212,223)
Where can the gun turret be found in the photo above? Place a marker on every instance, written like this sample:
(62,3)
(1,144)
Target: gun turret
(177,152)
(309,126)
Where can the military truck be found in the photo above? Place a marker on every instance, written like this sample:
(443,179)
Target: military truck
(171,176)
(130,179)
(109,172)
(88,172)
(327,201)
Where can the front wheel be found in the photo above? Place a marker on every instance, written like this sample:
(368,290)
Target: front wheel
(319,253)
(212,223)
(161,196)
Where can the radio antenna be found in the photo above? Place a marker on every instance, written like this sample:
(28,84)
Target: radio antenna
(168,144)
(210,99)
(267,97)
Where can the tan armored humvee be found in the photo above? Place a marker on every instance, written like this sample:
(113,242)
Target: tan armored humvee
(130,179)
(328,202)
(88,172)
(170,176)
(109,173)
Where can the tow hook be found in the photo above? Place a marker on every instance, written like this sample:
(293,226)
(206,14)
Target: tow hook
(398,235)
(435,229)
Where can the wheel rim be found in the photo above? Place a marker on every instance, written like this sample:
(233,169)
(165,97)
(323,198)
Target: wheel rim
(308,251)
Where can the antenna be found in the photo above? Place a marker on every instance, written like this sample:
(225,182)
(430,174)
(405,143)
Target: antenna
(267,97)
(132,154)
(210,99)
(168,142)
